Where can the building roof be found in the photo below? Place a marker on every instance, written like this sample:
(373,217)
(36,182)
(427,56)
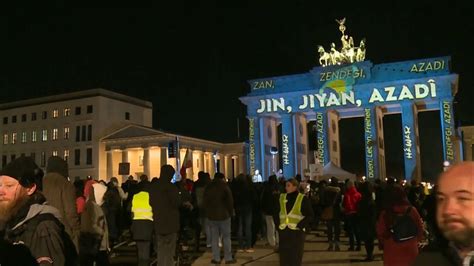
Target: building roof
(77,95)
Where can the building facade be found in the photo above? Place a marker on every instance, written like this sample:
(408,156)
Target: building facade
(95,130)
(146,150)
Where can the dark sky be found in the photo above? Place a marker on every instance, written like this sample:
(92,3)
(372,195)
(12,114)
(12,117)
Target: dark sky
(192,60)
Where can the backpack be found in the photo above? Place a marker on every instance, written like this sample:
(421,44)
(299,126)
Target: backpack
(403,227)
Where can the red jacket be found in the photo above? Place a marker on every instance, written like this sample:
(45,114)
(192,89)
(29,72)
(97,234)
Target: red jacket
(351,199)
(403,253)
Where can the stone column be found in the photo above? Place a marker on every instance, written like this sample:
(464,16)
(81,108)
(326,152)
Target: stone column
(333,134)
(447,130)
(371,150)
(212,165)
(411,147)
(288,146)
(255,149)
(110,164)
(222,164)
(322,142)
(241,160)
(125,160)
(229,173)
(201,161)
(146,161)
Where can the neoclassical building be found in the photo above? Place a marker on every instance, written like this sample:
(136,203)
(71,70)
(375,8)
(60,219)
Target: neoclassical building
(95,130)
(146,149)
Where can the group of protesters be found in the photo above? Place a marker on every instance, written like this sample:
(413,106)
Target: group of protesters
(46,219)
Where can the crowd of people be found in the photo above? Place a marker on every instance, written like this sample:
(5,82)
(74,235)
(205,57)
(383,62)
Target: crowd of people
(45,219)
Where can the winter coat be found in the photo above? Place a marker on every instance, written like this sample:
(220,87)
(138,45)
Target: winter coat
(367,218)
(402,253)
(93,219)
(142,230)
(244,196)
(164,200)
(351,199)
(218,201)
(332,197)
(270,199)
(60,193)
(32,223)
(445,256)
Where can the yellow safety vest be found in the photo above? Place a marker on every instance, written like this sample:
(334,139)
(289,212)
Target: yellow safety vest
(141,207)
(291,219)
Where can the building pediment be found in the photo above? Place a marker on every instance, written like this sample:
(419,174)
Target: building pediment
(132,131)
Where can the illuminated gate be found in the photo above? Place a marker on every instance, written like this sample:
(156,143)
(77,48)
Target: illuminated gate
(345,88)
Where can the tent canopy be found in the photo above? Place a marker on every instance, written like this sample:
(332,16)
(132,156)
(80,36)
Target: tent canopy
(331,170)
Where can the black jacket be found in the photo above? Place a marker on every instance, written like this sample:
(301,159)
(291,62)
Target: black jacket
(445,256)
(37,226)
(270,197)
(164,201)
(306,210)
(218,201)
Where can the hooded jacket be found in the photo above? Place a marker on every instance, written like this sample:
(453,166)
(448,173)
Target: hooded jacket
(164,201)
(351,200)
(38,227)
(60,193)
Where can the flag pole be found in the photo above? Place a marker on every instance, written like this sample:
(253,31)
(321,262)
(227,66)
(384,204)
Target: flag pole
(178,174)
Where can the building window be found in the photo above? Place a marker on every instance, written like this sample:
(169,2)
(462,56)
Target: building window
(55,153)
(14,137)
(77,157)
(33,156)
(127,116)
(89,132)
(44,115)
(5,120)
(66,133)
(44,135)
(55,134)
(14,119)
(78,110)
(55,113)
(83,133)
(33,116)
(34,136)
(12,157)
(5,138)
(43,159)
(67,111)
(78,133)
(89,156)
(66,155)
(4,160)
(23,137)
(23,118)
(89,109)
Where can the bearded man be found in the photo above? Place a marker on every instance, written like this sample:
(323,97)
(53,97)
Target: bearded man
(26,221)
(455,218)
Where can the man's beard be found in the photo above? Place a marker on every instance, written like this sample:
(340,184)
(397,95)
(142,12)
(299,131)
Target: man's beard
(463,238)
(8,209)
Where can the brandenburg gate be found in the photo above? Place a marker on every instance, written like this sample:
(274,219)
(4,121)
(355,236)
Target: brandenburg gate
(346,86)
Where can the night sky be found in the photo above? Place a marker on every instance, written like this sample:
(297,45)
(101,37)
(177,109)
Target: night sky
(192,60)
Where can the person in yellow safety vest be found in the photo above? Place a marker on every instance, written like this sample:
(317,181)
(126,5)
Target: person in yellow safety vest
(292,225)
(142,224)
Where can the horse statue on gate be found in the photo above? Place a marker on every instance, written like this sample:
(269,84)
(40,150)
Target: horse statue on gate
(348,53)
(360,55)
(324,57)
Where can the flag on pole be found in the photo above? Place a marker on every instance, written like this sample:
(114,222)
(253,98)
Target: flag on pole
(187,163)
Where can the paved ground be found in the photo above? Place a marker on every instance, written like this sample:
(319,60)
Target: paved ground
(315,254)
